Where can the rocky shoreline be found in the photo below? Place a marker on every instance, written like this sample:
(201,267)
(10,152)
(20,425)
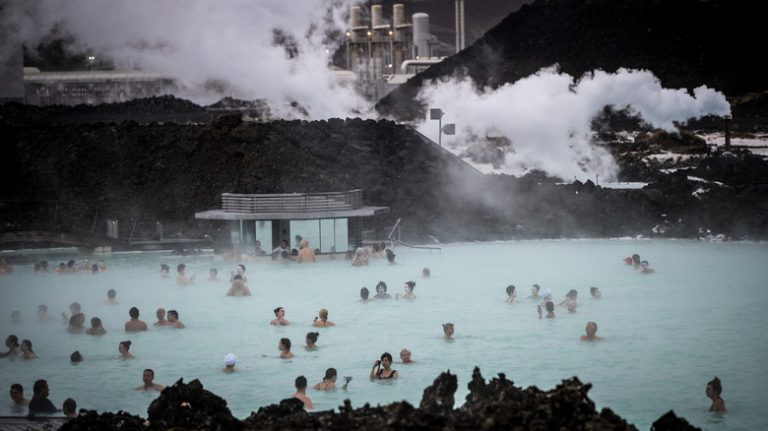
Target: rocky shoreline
(496,404)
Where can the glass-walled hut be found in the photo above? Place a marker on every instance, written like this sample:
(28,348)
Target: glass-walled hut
(331,222)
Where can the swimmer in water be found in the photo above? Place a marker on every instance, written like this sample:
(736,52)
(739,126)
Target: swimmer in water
(124,348)
(165,270)
(306,254)
(390,256)
(312,340)
(148,379)
(714,389)
(76,323)
(238,287)
(360,258)
(426,273)
(301,392)
(134,324)
(364,294)
(279,317)
(511,294)
(448,330)
(550,307)
(76,357)
(645,268)
(381,369)
(213,274)
(535,292)
(381,291)
(181,278)
(26,350)
(230,361)
(12,343)
(322,320)
(42,313)
(408,286)
(570,301)
(405,356)
(111,294)
(285,348)
(636,260)
(329,381)
(240,270)
(161,321)
(595,292)
(96,327)
(545,295)
(591,330)
(173,320)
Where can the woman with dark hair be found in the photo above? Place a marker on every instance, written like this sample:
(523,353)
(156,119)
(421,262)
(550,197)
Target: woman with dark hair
(714,389)
(381,291)
(12,343)
(329,381)
(381,369)
(96,327)
(311,340)
(26,350)
(279,317)
(76,323)
(364,294)
(511,294)
(408,286)
(570,301)
(285,348)
(123,349)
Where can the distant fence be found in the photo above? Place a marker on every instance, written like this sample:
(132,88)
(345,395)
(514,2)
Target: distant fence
(291,202)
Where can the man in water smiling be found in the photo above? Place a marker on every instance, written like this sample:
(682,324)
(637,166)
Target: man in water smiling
(591,331)
(148,376)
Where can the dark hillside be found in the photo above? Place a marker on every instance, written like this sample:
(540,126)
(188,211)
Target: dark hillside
(685,43)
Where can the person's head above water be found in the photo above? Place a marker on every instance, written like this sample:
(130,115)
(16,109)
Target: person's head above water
(111,293)
(535,288)
(76,357)
(550,306)
(510,290)
(364,293)
(312,337)
(381,287)
(278,311)
(636,259)
(405,356)
(572,294)
(230,360)
(285,344)
(134,313)
(448,329)
(180,268)
(330,374)
(75,308)
(323,314)
(301,382)
(410,285)
(390,256)
(164,268)
(426,272)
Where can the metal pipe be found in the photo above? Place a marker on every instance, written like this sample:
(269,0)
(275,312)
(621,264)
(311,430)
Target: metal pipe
(727,118)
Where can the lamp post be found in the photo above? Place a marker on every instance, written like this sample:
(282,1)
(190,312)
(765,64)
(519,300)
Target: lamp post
(448,129)
(91,59)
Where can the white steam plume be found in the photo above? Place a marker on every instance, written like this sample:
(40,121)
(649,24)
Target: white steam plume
(199,41)
(547,116)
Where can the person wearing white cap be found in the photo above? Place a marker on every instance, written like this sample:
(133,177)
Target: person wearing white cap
(230,361)
(545,295)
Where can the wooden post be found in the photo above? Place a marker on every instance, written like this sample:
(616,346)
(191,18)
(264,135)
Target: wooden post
(727,118)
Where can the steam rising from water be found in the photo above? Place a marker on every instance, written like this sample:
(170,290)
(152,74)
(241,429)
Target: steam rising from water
(547,116)
(199,42)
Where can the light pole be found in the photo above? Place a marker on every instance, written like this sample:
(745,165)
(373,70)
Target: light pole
(448,129)
(91,59)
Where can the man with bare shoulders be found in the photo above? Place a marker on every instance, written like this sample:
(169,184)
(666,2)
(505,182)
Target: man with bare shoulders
(173,320)
(135,325)
(591,331)
(160,313)
(301,392)
(149,385)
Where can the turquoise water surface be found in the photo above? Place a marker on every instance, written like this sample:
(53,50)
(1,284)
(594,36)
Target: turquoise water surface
(703,313)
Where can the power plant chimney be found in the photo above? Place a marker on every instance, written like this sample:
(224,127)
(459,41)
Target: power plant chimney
(460,36)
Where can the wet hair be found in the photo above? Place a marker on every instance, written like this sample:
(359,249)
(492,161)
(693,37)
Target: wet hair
(180,267)
(644,263)
(111,293)
(717,387)
(386,355)
(95,322)
(76,356)
(151,371)
(329,374)
(164,267)
(323,314)
(174,313)
(134,313)
(447,325)
(390,255)
(17,387)
(510,289)
(381,284)
(426,272)
(550,306)
(572,294)
(537,287)
(312,336)
(410,284)
(69,406)
(276,310)
(126,344)
(28,344)
(287,343)
(301,382)
(38,386)
(592,323)
(364,292)
(13,339)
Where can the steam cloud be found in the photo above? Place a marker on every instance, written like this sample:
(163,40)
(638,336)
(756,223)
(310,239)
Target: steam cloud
(547,116)
(197,42)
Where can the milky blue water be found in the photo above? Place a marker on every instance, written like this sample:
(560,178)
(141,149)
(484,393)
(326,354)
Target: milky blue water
(703,313)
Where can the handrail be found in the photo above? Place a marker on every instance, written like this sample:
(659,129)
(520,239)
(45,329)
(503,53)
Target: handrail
(397,223)
(423,247)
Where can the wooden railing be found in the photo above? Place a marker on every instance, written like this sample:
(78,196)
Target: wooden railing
(291,202)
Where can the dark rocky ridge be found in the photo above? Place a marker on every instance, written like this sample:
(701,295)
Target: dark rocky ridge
(496,404)
(685,43)
(168,172)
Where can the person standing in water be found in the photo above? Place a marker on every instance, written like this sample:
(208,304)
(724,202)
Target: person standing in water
(409,286)
(595,292)
(329,381)
(173,320)
(591,331)
(306,254)
(448,330)
(570,301)
(312,340)
(134,324)
(148,379)
(322,320)
(40,402)
(111,294)
(511,294)
(381,291)
(26,350)
(301,392)
(124,348)
(279,317)
(230,361)
(381,369)
(714,389)
(285,348)
(405,356)
(161,320)
(238,287)
(12,343)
